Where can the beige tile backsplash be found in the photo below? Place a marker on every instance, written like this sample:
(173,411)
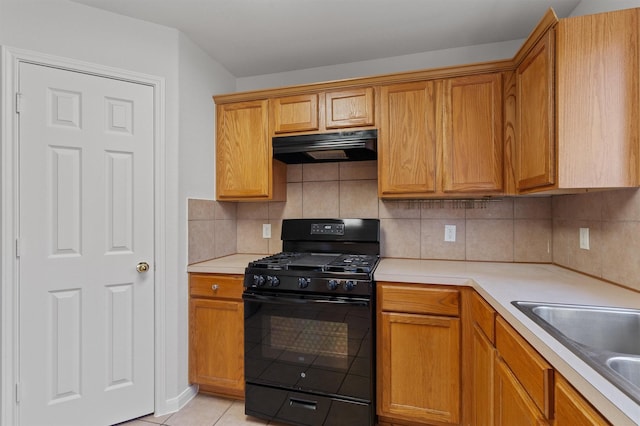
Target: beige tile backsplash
(613,219)
(531,229)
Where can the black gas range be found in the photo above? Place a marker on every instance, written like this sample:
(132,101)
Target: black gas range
(322,273)
(309,325)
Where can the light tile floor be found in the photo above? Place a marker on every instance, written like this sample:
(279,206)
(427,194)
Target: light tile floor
(204,410)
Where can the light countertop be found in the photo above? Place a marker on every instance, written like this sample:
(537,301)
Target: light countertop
(500,284)
(233,264)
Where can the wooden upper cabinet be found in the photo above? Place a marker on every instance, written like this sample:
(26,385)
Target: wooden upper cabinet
(407,146)
(577,105)
(441,138)
(472,134)
(295,113)
(245,169)
(349,108)
(323,111)
(535,148)
(597,74)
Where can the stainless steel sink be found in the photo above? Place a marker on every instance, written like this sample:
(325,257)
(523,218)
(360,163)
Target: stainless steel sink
(627,367)
(608,339)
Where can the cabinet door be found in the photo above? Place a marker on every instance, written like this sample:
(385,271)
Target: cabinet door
(512,403)
(243,151)
(571,409)
(419,367)
(216,352)
(295,113)
(483,376)
(349,108)
(472,134)
(535,106)
(598,78)
(407,148)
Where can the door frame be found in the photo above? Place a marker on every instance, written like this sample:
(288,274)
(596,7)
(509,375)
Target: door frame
(9,222)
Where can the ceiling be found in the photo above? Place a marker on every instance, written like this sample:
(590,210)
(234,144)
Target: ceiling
(255,37)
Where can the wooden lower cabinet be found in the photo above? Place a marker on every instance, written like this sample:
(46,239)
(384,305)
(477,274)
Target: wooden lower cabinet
(513,406)
(512,384)
(571,409)
(484,355)
(216,334)
(418,356)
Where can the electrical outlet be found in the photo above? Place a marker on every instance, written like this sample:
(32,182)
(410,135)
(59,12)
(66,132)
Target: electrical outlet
(584,238)
(450,233)
(266,230)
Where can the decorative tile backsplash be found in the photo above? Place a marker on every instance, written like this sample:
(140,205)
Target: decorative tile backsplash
(531,229)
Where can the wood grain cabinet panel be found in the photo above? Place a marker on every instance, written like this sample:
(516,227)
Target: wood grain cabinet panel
(418,362)
(484,316)
(571,409)
(295,113)
(441,138)
(418,299)
(531,369)
(597,73)
(513,406)
(512,384)
(483,355)
(245,169)
(214,285)
(349,108)
(472,134)
(577,105)
(407,145)
(535,147)
(216,334)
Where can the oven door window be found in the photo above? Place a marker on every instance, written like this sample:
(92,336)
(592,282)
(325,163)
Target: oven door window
(305,344)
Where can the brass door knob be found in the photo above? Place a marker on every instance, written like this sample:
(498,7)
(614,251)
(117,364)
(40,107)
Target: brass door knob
(142,267)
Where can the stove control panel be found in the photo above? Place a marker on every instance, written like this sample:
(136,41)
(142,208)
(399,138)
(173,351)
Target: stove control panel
(327,229)
(308,284)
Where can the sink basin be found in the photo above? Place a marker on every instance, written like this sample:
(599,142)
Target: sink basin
(627,367)
(599,328)
(608,339)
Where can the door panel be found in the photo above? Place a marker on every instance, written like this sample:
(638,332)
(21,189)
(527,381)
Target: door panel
(86,320)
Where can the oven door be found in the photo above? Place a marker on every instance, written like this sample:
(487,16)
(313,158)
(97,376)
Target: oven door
(308,356)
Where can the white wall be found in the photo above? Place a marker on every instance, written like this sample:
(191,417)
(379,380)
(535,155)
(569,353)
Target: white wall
(587,7)
(70,30)
(433,59)
(200,78)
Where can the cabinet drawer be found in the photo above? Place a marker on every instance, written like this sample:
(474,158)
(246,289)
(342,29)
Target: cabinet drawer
(484,315)
(223,286)
(417,299)
(531,370)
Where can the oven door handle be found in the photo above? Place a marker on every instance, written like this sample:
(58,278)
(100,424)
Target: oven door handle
(287,300)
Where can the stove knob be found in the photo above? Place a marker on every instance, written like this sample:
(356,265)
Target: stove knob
(273,281)
(349,285)
(258,280)
(332,284)
(303,282)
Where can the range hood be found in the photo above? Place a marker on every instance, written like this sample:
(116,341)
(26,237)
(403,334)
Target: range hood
(357,145)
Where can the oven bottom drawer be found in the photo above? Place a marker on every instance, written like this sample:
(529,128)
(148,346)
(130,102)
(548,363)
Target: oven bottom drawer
(304,409)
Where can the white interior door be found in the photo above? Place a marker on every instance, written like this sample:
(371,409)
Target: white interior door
(86,320)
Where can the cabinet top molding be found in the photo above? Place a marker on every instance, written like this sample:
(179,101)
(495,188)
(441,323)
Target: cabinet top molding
(548,20)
